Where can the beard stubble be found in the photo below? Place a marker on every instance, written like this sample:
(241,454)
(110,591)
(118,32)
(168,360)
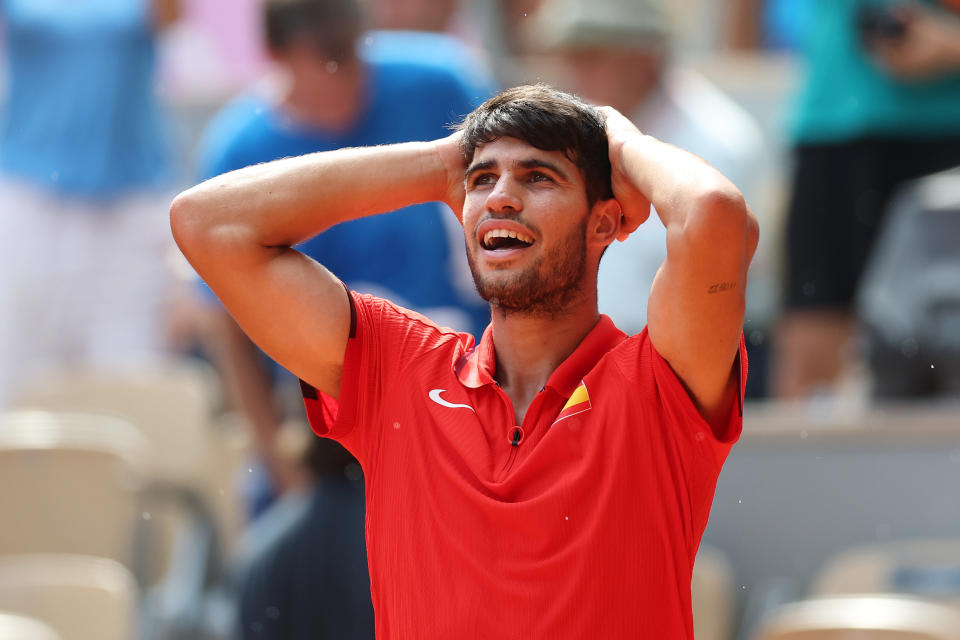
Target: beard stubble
(546,287)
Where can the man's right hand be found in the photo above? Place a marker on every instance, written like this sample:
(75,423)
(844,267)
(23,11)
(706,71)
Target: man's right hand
(634,204)
(455,165)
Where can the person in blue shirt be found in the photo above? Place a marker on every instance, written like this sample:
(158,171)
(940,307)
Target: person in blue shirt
(84,171)
(338,86)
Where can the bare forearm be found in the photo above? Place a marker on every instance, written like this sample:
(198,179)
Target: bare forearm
(281,203)
(677,183)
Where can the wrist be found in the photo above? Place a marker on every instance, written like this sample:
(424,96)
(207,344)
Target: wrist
(447,173)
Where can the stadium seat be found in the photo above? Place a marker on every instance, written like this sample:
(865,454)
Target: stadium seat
(80,597)
(187,500)
(924,568)
(861,617)
(171,405)
(18,627)
(712,589)
(68,483)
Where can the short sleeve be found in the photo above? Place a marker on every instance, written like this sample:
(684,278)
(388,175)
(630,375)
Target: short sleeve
(684,416)
(681,439)
(383,340)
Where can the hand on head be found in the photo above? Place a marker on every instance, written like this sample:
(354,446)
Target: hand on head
(634,205)
(454,167)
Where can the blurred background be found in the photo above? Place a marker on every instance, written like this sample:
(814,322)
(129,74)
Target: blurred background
(157,477)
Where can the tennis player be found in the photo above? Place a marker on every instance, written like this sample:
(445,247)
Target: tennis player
(553,480)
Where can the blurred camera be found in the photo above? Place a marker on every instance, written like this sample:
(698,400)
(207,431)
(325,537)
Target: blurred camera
(879,23)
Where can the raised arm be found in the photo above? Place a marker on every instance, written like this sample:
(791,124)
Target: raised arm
(695,313)
(237,231)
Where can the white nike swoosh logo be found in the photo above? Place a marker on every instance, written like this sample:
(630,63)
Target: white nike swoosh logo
(435,396)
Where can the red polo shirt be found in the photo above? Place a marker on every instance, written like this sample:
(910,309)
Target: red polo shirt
(583,522)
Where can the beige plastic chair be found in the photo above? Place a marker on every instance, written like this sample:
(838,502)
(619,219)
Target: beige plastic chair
(171,405)
(187,501)
(17,627)
(713,595)
(873,569)
(68,483)
(80,597)
(870,617)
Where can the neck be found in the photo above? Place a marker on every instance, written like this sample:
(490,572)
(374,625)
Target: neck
(529,347)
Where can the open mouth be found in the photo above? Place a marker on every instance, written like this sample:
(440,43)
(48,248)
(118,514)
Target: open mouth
(505,240)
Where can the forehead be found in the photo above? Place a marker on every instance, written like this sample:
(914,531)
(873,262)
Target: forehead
(507,151)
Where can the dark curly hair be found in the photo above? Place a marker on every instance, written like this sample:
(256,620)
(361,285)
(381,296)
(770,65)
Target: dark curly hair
(550,120)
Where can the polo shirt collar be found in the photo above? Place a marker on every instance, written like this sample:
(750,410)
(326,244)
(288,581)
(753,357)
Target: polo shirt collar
(476,367)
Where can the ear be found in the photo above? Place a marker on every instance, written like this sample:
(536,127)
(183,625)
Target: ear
(604,224)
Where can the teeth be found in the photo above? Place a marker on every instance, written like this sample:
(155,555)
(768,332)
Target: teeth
(504,233)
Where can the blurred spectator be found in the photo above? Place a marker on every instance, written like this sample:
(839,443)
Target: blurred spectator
(336,86)
(84,239)
(879,107)
(777,25)
(309,579)
(616,52)
(213,50)
(413,15)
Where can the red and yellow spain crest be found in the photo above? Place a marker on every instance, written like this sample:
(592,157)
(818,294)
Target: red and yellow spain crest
(578,403)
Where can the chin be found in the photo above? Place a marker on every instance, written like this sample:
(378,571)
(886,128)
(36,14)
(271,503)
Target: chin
(528,293)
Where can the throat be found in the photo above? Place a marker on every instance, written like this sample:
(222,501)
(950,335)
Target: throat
(521,399)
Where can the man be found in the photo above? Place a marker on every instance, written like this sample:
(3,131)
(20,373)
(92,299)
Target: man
(554,480)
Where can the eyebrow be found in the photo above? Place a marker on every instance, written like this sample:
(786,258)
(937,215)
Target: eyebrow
(530,163)
(483,165)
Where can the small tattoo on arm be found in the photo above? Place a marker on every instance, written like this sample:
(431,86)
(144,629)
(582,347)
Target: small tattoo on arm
(720,287)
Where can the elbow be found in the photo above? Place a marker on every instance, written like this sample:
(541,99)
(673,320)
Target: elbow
(186,221)
(723,206)
(722,201)
(721,218)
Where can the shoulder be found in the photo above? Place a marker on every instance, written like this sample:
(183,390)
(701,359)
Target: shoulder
(638,366)
(631,357)
(655,387)
(406,330)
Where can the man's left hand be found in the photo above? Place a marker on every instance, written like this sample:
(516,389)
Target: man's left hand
(634,204)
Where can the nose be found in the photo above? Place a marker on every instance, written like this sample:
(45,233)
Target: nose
(504,198)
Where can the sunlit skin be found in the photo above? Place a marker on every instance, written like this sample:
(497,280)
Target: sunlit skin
(539,195)
(512,185)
